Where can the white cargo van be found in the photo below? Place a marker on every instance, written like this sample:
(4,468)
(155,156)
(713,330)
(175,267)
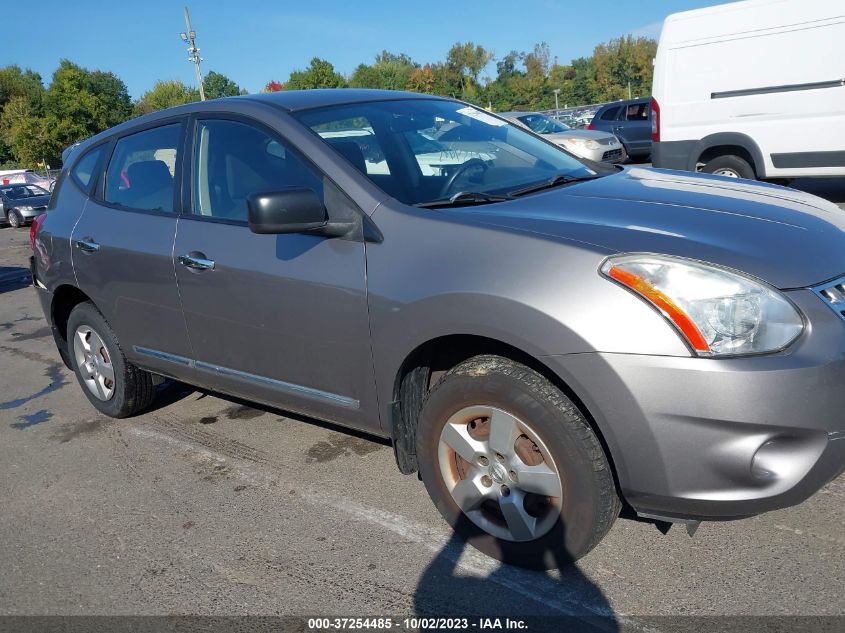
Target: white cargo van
(752,89)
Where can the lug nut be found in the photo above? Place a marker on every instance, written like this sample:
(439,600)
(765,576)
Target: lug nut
(512,475)
(486,481)
(500,457)
(483,460)
(505,491)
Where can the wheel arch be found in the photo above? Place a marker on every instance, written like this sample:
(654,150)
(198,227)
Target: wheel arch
(429,360)
(65,298)
(725,143)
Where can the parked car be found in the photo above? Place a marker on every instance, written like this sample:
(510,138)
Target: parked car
(434,158)
(21,203)
(593,145)
(630,121)
(541,338)
(25,177)
(781,118)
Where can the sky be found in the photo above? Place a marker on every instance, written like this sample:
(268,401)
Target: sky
(255,41)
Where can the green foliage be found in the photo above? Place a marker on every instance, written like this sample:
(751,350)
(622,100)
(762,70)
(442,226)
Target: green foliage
(38,123)
(319,74)
(217,85)
(165,94)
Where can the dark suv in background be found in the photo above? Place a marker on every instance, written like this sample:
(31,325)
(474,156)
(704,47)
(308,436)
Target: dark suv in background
(630,121)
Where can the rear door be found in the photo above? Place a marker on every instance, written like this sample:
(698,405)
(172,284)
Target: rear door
(634,127)
(122,246)
(280,319)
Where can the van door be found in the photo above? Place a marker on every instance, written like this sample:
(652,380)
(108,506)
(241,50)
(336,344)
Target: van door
(122,246)
(279,319)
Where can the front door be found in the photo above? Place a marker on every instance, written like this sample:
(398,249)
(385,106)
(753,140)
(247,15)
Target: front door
(122,246)
(634,128)
(280,319)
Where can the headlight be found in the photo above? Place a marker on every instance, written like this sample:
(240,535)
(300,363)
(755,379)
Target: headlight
(582,142)
(26,208)
(718,312)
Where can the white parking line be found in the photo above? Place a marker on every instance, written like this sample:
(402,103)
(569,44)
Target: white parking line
(534,586)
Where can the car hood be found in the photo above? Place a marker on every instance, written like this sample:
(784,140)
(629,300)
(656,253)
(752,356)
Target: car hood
(585,134)
(33,201)
(786,237)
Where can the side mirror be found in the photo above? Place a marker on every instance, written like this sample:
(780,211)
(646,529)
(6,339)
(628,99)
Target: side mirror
(292,210)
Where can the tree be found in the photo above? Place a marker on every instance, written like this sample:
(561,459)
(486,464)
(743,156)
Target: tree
(273,86)
(25,135)
(217,85)
(621,61)
(165,94)
(319,74)
(389,72)
(80,103)
(422,80)
(465,62)
(25,85)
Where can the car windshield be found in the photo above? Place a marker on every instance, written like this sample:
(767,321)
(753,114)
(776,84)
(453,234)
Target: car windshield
(542,124)
(19,192)
(422,151)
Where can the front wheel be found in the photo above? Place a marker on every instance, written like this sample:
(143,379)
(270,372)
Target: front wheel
(112,384)
(513,466)
(15,219)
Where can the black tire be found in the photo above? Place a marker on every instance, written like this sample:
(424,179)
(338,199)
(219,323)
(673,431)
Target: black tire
(589,504)
(15,219)
(730,163)
(133,387)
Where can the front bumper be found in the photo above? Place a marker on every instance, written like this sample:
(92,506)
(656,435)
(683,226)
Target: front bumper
(604,153)
(696,438)
(29,214)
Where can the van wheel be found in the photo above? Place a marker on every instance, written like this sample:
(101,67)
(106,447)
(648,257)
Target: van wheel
(513,466)
(112,384)
(15,219)
(730,166)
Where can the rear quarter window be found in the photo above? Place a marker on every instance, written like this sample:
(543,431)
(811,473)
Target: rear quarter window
(609,114)
(85,169)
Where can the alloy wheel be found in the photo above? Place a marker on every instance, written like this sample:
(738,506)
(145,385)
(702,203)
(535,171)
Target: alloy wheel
(500,473)
(94,362)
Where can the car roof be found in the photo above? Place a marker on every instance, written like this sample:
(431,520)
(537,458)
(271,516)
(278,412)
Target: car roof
(293,100)
(515,114)
(288,100)
(625,102)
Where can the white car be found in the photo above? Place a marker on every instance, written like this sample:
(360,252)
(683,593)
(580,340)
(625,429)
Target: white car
(590,144)
(25,177)
(434,158)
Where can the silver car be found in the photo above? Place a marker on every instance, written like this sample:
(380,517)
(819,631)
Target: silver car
(589,144)
(542,339)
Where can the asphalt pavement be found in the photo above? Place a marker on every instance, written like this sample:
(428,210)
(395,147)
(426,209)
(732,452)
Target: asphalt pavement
(206,505)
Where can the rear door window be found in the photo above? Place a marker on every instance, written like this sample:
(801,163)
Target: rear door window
(142,169)
(637,112)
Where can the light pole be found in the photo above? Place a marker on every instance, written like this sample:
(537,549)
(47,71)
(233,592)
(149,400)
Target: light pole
(190,37)
(557,103)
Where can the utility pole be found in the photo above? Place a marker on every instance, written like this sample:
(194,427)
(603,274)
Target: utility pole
(190,37)
(557,103)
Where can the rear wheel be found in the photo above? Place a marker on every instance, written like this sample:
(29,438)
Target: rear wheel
(15,219)
(112,384)
(513,465)
(730,166)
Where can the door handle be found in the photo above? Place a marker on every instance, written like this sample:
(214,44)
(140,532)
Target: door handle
(196,261)
(87,245)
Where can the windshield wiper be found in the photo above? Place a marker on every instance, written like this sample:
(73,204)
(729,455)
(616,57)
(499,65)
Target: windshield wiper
(465,198)
(557,181)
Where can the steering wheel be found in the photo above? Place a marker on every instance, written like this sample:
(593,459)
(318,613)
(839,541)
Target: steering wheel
(472,164)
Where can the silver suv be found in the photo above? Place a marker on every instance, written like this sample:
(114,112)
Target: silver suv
(545,340)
